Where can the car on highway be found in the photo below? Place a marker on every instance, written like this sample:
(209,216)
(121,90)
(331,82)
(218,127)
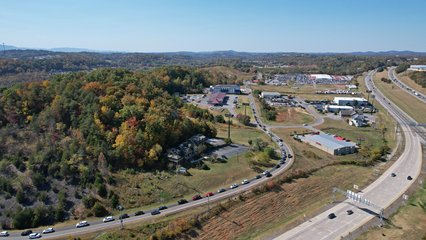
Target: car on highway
(268,174)
(196,197)
(393,174)
(82,224)
(409,178)
(182,201)
(4,234)
(234,186)
(108,219)
(289,155)
(221,190)
(26,232)
(258,176)
(245,181)
(124,215)
(48,230)
(138,213)
(34,235)
(282,162)
(162,208)
(350,212)
(155,212)
(331,215)
(277,166)
(209,194)
(265,172)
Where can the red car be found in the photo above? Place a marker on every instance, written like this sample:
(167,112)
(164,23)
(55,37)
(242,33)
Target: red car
(209,194)
(196,197)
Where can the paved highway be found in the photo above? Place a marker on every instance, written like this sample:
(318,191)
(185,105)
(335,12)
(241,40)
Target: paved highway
(392,76)
(98,225)
(382,192)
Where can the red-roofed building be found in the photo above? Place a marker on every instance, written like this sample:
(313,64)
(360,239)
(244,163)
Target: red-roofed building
(216,98)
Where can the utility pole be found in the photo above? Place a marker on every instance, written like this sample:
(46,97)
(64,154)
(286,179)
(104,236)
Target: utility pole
(121,208)
(229,127)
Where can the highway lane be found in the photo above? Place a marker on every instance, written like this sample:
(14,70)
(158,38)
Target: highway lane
(392,76)
(383,192)
(98,225)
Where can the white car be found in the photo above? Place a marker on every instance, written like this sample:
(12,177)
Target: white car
(108,219)
(34,235)
(48,230)
(82,224)
(265,172)
(245,181)
(4,234)
(234,186)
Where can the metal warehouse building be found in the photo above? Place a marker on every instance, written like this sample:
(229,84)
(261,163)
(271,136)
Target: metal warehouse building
(329,143)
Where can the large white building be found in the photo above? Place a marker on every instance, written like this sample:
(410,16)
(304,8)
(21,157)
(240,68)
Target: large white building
(320,77)
(337,108)
(331,144)
(417,68)
(350,101)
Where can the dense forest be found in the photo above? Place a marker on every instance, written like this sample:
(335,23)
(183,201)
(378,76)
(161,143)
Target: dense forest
(62,138)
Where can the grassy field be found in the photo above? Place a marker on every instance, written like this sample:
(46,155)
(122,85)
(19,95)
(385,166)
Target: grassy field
(415,108)
(157,189)
(240,109)
(368,136)
(241,134)
(407,80)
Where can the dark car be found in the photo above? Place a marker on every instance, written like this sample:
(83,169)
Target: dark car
(124,215)
(289,155)
(162,208)
(409,178)
(221,190)
(282,162)
(393,174)
(277,166)
(182,201)
(155,212)
(350,212)
(139,213)
(268,174)
(258,176)
(196,197)
(331,215)
(26,232)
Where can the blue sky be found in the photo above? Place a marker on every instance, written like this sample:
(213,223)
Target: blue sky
(206,25)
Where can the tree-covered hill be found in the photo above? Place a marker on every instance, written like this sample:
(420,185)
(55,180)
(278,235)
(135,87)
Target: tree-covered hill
(71,132)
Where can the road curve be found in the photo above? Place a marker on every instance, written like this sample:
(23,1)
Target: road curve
(392,76)
(382,192)
(95,226)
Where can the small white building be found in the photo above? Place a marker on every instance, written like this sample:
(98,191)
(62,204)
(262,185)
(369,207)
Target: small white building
(417,68)
(270,95)
(350,101)
(358,120)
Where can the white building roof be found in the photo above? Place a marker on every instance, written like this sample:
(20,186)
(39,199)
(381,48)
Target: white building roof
(337,99)
(339,107)
(321,76)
